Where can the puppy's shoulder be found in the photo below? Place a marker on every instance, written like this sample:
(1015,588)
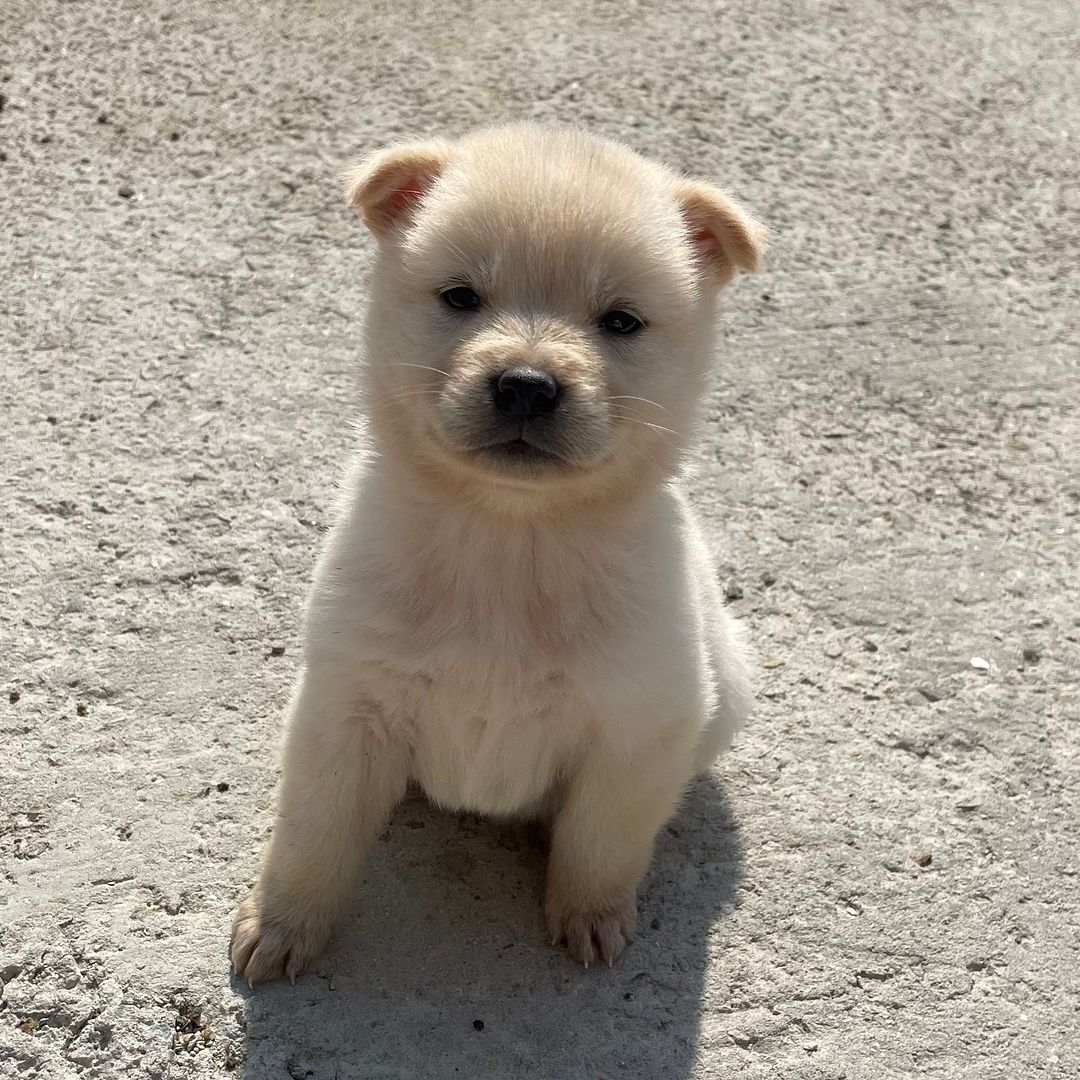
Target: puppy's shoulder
(671,523)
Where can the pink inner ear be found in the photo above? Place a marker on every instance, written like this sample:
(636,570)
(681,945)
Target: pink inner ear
(405,194)
(706,240)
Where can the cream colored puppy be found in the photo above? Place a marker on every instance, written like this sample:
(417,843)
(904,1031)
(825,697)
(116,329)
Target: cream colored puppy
(515,609)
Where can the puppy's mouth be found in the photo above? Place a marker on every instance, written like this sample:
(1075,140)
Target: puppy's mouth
(531,448)
(520,449)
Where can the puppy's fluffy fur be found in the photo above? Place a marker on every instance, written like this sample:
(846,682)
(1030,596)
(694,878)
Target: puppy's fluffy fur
(515,608)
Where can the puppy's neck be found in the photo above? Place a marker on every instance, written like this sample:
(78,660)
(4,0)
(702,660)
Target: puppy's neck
(509,510)
(524,581)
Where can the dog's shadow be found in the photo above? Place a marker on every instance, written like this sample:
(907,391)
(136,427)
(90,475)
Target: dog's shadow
(444,970)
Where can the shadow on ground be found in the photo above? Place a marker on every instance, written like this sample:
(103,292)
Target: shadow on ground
(443,969)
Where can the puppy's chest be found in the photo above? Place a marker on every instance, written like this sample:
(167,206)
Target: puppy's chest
(495,746)
(485,663)
(475,619)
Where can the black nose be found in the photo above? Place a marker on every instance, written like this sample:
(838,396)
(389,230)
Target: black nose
(525,392)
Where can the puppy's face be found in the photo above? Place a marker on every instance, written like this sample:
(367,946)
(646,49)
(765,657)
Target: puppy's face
(541,314)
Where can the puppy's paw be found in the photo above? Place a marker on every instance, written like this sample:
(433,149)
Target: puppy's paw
(595,933)
(269,941)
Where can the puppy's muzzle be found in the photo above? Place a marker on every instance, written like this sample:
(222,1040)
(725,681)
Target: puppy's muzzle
(525,393)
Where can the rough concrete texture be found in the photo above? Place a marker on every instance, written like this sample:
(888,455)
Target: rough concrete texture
(882,879)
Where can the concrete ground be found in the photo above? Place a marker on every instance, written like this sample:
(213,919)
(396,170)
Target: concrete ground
(883,878)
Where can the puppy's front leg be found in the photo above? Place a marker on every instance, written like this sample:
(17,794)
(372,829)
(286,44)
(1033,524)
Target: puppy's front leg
(342,776)
(602,841)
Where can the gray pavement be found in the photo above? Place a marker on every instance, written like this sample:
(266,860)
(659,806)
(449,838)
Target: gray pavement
(883,878)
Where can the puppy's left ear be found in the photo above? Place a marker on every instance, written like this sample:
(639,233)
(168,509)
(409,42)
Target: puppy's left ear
(725,237)
(389,186)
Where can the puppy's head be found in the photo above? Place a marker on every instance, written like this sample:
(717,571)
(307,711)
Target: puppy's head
(541,318)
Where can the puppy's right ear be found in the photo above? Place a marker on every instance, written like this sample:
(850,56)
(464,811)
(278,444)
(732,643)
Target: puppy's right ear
(388,187)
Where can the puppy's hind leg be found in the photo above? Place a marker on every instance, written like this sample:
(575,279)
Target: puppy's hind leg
(342,776)
(730,661)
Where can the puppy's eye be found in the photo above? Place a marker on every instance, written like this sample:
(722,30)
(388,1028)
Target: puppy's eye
(621,322)
(460,297)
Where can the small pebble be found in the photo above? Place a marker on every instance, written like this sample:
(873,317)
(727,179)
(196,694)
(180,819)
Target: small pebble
(81,709)
(733,591)
(478,1025)
(126,192)
(768,578)
(979,664)
(277,650)
(14,696)
(923,858)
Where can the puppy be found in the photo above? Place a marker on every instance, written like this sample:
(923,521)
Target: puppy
(516,608)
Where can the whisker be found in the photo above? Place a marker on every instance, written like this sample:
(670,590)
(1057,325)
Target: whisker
(425,367)
(643,400)
(669,445)
(658,428)
(629,410)
(626,413)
